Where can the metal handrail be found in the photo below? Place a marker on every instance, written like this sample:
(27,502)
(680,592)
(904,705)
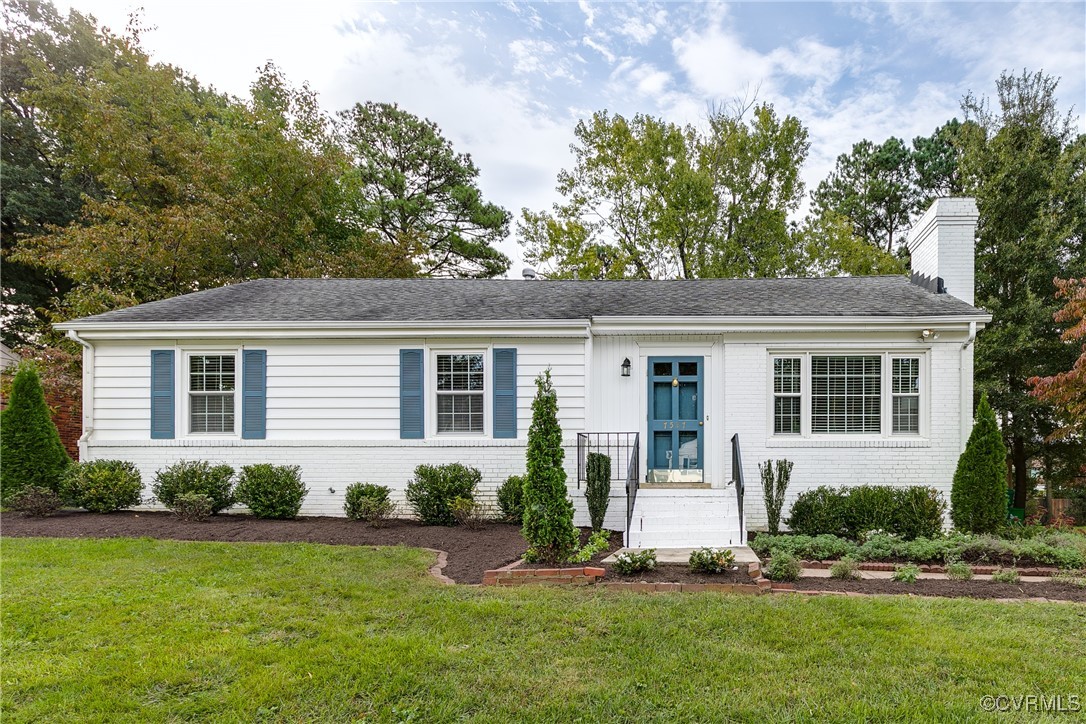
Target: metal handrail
(632,480)
(737,477)
(622,448)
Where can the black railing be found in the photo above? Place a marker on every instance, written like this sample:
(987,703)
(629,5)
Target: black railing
(623,450)
(737,478)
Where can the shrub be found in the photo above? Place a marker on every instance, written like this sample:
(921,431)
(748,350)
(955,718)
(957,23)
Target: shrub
(711,560)
(856,511)
(868,507)
(195,476)
(271,491)
(597,491)
(30,446)
(978,496)
(511,499)
(958,571)
(907,573)
(820,547)
(1006,575)
(774,487)
(782,567)
(597,542)
(919,512)
(102,486)
(34,501)
(820,510)
(435,487)
(635,561)
(192,507)
(846,569)
(548,511)
(368,502)
(467,512)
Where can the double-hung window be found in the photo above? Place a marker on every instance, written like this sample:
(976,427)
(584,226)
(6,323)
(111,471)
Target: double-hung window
(905,391)
(211,385)
(846,395)
(460,393)
(787,395)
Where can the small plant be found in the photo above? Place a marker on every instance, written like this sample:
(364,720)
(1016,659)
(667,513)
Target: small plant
(1071,578)
(368,502)
(907,573)
(774,487)
(959,571)
(467,513)
(629,562)
(711,560)
(30,445)
(102,486)
(195,476)
(782,567)
(597,542)
(192,507)
(597,490)
(511,499)
(35,501)
(271,491)
(846,569)
(1006,575)
(435,487)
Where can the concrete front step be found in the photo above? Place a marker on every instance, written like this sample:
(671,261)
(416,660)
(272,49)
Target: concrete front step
(685,518)
(676,540)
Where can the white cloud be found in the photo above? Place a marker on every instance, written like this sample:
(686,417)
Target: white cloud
(637,29)
(589,13)
(599,48)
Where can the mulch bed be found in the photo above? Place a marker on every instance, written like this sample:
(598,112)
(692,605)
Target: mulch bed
(613,544)
(947,588)
(470,551)
(676,573)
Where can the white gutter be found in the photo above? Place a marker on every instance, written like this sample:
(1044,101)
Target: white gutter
(88,392)
(965,387)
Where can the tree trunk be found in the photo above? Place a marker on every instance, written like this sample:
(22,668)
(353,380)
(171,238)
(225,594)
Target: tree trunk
(1021,476)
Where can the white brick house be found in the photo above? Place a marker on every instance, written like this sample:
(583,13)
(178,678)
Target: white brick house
(856,380)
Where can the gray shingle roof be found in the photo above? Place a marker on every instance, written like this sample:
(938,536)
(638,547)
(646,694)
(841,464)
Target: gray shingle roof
(392,300)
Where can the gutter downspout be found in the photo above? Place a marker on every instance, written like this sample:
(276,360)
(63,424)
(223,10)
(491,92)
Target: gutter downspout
(88,391)
(965,388)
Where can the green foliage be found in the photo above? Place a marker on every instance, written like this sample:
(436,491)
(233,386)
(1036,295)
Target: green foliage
(959,571)
(192,507)
(195,476)
(368,502)
(271,491)
(434,487)
(1006,575)
(511,499)
(782,567)
(102,486)
(774,486)
(597,487)
(816,548)
(420,196)
(35,501)
(467,512)
(846,569)
(711,560)
(978,497)
(548,511)
(821,510)
(598,542)
(907,573)
(630,562)
(30,446)
(919,512)
(853,511)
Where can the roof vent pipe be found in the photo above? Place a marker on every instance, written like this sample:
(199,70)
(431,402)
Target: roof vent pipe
(528,273)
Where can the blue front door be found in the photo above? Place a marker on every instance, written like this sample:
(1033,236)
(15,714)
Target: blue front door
(676,419)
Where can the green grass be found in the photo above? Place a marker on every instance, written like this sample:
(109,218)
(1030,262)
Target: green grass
(145,630)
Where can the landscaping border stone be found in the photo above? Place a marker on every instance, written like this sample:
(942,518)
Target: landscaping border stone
(511,575)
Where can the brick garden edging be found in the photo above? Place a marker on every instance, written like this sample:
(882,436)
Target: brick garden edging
(512,576)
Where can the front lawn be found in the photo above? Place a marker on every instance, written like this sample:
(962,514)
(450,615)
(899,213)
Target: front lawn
(155,630)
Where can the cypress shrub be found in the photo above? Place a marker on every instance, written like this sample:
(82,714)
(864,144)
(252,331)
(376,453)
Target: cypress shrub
(978,498)
(548,511)
(597,491)
(30,446)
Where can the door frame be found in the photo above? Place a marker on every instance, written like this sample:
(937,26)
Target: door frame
(700,412)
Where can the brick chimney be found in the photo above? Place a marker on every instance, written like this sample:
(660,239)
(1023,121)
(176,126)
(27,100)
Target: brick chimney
(942,245)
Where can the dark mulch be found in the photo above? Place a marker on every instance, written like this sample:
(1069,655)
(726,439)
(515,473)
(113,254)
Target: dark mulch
(470,551)
(674,573)
(614,543)
(950,589)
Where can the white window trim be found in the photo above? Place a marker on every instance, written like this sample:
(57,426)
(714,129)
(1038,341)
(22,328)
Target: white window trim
(432,394)
(184,403)
(886,386)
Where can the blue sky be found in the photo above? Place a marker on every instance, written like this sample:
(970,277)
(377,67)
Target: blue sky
(508,81)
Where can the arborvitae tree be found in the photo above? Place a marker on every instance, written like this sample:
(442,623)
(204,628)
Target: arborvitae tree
(548,511)
(978,498)
(30,449)
(597,490)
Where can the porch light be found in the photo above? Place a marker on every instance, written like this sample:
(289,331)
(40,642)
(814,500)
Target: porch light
(626,367)
(928,335)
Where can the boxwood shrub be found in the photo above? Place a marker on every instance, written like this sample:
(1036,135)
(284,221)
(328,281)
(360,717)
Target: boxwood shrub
(195,476)
(435,487)
(271,491)
(511,499)
(852,512)
(102,486)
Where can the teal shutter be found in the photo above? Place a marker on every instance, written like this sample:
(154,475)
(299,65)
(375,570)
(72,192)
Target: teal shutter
(411,395)
(162,397)
(505,393)
(254,394)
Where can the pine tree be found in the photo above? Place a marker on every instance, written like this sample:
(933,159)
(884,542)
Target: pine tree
(548,511)
(978,498)
(30,449)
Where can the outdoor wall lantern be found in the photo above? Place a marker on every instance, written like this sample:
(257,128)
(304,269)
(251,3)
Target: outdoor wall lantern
(626,367)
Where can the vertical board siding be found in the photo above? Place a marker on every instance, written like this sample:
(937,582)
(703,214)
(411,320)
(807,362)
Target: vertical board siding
(162,394)
(505,393)
(254,386)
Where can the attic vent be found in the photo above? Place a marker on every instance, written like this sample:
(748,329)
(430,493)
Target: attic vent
(528,273)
